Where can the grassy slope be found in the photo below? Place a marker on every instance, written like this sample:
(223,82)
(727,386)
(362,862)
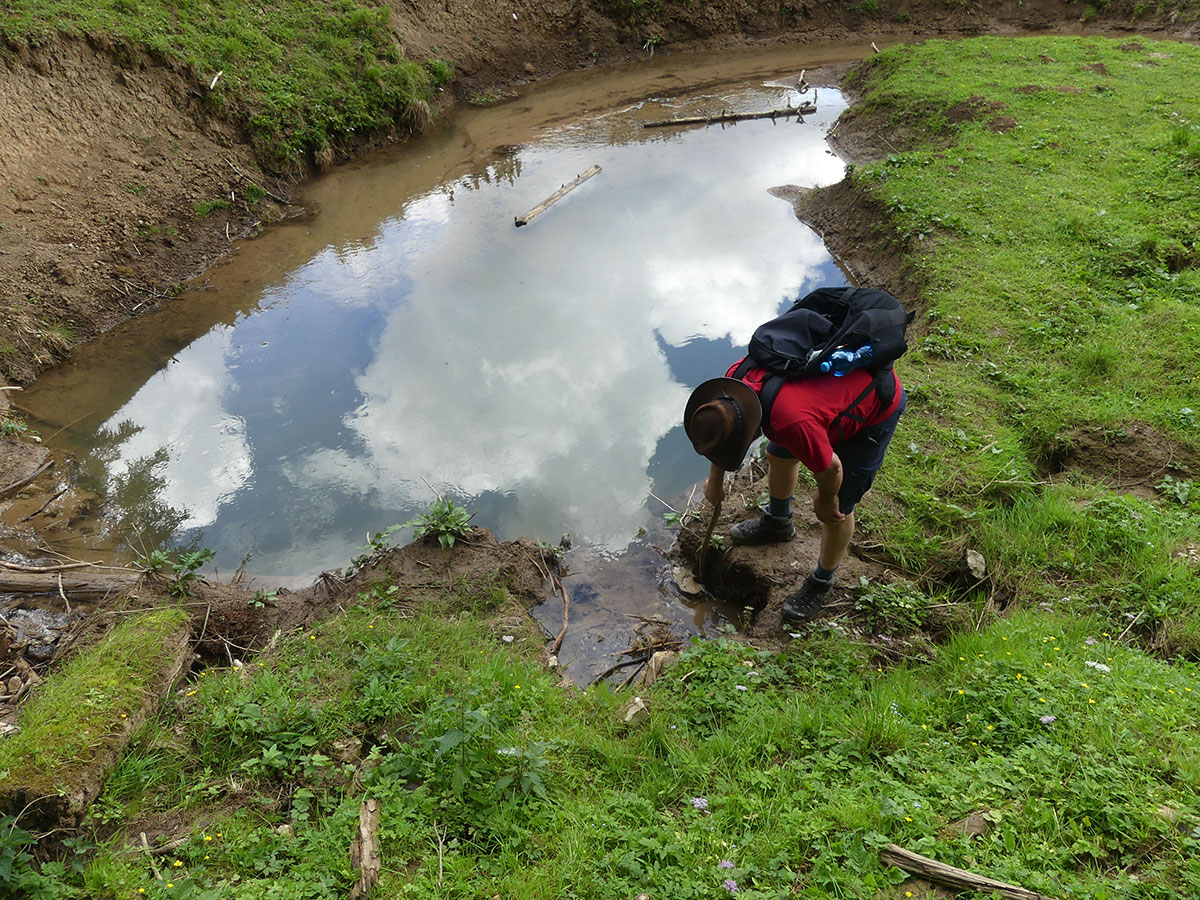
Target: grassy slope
(297,75)
(1060,263)
(784,774)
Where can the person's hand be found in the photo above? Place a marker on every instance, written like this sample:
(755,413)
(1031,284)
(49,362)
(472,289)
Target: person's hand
(714,487)
(826,508)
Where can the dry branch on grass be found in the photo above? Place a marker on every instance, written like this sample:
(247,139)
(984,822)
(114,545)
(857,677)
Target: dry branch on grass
(951,876)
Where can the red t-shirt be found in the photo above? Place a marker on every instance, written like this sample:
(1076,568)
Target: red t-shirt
(804,411)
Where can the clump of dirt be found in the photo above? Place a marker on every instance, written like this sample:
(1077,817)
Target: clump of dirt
(1132,458)
(233,621)
(973,109)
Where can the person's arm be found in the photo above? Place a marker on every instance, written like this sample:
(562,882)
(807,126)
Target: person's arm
(714,487)
(825,500)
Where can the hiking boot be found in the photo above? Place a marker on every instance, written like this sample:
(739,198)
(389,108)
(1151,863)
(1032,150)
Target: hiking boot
(763,530)
(803,605)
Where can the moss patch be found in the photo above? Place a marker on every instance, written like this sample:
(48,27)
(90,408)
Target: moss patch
(81,720)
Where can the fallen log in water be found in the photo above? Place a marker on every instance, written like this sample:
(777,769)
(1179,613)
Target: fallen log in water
(555,197)
(723,116)
(84,585)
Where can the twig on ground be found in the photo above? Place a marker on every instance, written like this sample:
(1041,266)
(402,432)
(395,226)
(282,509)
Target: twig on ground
(255,183)
(440,850)
(616,668)
(1132,622)
(634,674)
(554,648)
(960,879)
(37,570)
(17,485)
(150,857)
(63,594)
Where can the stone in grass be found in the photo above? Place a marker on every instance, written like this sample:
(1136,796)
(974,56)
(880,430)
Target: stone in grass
(636,712)
(74,728)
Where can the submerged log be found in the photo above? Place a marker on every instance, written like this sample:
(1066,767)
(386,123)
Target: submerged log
(953,877)
(555,197)
(89,586)
(802,110)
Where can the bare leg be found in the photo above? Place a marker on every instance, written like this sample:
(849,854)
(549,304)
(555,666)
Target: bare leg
(782,475)
(835,541)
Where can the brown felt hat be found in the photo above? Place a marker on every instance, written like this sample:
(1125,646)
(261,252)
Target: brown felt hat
(721,420)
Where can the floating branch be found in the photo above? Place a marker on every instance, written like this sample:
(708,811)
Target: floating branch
(803,109)
(555,197)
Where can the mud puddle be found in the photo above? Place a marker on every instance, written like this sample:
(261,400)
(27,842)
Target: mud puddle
(407,341)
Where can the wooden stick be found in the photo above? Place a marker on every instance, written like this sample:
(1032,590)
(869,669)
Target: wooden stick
(441,845)
(37,569)
(364,850)
(707,537)
(53,497)
(616,668)
(802,110)
(555,197)
(255,183)
(554,648)
(17,485)
(959,879)
(634,674)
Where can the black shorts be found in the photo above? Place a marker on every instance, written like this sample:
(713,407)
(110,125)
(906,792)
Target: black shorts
(861,456)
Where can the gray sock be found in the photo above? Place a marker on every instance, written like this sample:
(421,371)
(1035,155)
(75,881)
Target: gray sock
(780,509)
(820,573)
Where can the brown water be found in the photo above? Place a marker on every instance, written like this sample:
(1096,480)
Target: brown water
(408,341)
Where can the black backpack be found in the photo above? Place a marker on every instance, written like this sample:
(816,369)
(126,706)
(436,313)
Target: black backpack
(794,344)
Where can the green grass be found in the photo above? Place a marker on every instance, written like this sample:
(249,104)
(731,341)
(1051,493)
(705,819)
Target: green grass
(1060,266)
(297,76)
(783,772)
(63,726)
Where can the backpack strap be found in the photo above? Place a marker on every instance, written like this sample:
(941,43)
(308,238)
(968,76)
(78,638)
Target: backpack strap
(766,397)
(885,387)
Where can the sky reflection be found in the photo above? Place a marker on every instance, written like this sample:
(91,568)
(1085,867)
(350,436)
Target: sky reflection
(536,375)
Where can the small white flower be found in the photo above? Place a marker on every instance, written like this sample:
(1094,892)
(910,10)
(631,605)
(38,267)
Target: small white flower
(1098,666)
(508,639)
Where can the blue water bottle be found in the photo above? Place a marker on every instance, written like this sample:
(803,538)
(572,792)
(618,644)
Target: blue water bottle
(843,360)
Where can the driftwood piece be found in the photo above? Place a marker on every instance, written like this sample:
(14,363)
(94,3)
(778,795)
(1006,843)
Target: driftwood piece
(82,585)
(364,850)
(40,569)
(712,523)
(951,876)
(803,109)
(555,197)
(557,645)
(17,485)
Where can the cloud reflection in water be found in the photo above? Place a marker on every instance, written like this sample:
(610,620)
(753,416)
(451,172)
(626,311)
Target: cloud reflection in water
(529,364)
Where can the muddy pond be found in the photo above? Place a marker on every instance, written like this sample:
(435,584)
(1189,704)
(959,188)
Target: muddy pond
(407,341)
